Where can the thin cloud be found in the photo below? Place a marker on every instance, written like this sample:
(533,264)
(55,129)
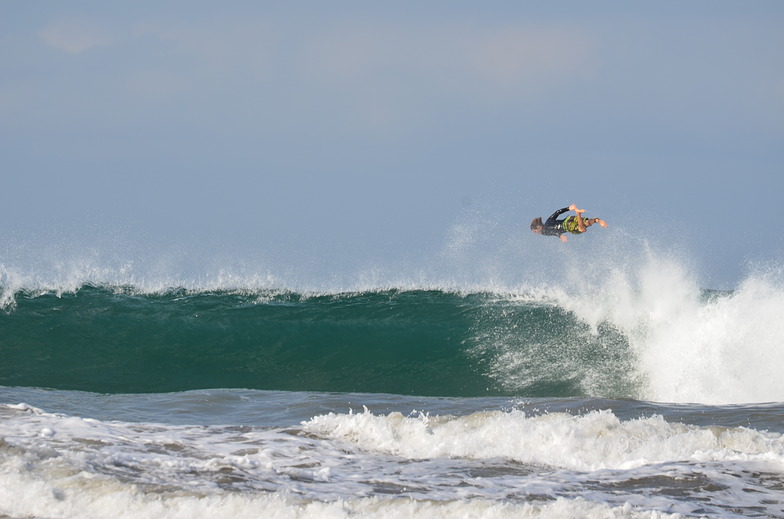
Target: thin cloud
(158,84)
(73,37)
(535,57)
(361,54)
(509,57)
(392,76)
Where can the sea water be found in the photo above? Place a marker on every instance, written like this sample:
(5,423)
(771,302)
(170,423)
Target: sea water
(634,393)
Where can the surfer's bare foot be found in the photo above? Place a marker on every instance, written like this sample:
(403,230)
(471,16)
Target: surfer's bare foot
(601,222)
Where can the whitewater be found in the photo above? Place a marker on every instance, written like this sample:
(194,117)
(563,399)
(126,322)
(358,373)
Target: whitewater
(475,387)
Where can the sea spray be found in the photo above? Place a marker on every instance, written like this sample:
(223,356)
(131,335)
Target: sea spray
(691,345)
(727,349)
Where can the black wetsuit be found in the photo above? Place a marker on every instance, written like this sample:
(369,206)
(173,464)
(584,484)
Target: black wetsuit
(553,227)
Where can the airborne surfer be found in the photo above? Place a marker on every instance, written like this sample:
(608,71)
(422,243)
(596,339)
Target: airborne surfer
(575,224)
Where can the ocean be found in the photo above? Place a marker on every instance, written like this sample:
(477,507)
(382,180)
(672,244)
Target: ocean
(629,393)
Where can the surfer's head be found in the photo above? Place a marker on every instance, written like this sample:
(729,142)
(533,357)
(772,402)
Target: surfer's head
(536,225)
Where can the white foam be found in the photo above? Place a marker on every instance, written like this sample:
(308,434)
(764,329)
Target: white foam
(84,498)
(726,349)
(63,466)
(595,441)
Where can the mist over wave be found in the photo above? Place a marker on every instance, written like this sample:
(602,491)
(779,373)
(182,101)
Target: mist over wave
(482,251)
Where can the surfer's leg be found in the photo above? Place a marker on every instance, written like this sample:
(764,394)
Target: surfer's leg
(580,221)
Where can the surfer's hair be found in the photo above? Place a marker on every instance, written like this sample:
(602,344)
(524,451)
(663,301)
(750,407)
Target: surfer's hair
(536,223)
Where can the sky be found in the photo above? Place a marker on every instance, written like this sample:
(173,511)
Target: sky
(347,133)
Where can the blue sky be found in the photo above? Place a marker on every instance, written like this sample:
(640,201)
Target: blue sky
(349,133)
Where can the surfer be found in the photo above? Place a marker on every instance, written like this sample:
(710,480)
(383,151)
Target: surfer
(575,224)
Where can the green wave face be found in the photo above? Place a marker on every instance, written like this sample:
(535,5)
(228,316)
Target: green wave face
(419,342)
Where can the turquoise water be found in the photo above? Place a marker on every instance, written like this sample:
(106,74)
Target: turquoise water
(418,342)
